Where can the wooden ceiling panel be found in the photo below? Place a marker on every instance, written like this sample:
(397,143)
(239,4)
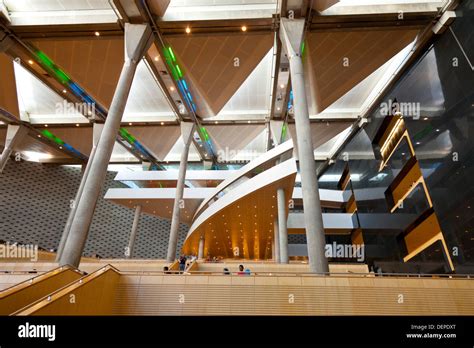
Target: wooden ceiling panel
(364,51)
(30,144)
(208,65)
(321,5)
(233,137)
(321,132)
(159,140)
(79,138)
(95,64)
(8,95)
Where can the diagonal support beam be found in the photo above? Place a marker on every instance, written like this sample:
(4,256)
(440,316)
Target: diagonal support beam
(187,130)
(291,35)
(137,40)
(15,133)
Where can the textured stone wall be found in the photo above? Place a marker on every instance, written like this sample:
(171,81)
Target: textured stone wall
(34,206)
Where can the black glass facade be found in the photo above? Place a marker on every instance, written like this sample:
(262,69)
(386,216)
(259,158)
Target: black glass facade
(436,98)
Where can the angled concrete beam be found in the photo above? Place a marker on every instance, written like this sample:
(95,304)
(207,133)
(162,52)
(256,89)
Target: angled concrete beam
(137,40)
(97,130)
(187,130)
(291,35)
(134,232)
(15,133)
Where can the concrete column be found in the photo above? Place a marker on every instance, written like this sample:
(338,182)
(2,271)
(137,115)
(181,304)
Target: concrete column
(15,133)
(97,130)
(137,40)
(282,227)
(133,233)
(291,35)
(187,130)
(201,248)
(276,241)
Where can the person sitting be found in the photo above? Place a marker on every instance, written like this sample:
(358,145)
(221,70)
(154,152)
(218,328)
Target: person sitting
(241,270)
(166,270)
(226,271)
(247,271)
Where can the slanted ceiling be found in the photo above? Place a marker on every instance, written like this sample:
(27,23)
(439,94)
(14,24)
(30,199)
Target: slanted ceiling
(363,51)
(31,144)
(8,96)
(158,7)
(159,140)
(321,5)
(232,138)
(95,64)
(207,62)
(79,138)
(321,132)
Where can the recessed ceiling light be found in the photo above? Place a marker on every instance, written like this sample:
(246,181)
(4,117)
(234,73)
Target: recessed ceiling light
(64,91)
(30,62)
(425,118)
(282,86)
(97,33)
(278,108)
(216,122)
(77,124)
(162,123)
(172,88)
(157,58)
(437,130)
(244,28)
(46,125)
(130,123)
(188,30)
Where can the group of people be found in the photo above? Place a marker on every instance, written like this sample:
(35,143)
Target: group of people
(242,271)
(182,267)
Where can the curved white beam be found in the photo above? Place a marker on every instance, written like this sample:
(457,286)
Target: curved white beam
(271,155)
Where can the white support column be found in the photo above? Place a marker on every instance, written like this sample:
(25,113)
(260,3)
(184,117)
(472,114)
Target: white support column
(137,41)
(276,241)
(134,232)
(201,248)
(187,130)
(97,130)
(15,134)
(282,225)
(291,35)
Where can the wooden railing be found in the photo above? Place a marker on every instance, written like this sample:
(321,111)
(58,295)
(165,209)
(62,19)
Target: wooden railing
(90,295)
(21,294)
